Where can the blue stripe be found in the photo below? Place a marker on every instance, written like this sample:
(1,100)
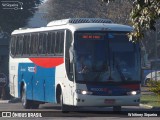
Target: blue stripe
(40,84)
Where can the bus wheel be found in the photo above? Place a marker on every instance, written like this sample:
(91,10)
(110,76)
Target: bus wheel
(58,94)
(25,103)
(64,108)
(117,108)
(34,105)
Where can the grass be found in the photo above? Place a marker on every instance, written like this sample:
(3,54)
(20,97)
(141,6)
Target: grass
(151,99)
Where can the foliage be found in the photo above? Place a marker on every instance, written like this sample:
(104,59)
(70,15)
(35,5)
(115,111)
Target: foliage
(11,19)
(143,17)
(118,13)
(116,10)
(154,86)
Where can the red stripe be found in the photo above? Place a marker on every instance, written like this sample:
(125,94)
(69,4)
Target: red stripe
(47,62)
(131,86)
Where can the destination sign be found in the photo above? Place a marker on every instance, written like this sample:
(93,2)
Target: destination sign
(91,36)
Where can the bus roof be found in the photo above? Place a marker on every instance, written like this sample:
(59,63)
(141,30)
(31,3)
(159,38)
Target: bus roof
(78,20)
(75,24)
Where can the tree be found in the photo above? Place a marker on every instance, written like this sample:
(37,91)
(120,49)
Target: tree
(118,13)
(11,19)
(154,86)
(116,10)
(143,16)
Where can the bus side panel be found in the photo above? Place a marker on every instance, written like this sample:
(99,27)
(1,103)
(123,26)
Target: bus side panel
(26,74)
(13,78)
(39,81)
(43,86)
(50,86)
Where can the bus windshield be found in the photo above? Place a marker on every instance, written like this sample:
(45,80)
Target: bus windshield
(106,57)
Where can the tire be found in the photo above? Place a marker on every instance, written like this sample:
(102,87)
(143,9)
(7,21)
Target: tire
(64,108)
(25,103)
(58,95)
(117,108)
(34,105)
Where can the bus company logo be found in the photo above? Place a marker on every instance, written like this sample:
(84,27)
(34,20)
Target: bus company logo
(31,69)
(22,69)
(21,115)
(6,114)
(14,5)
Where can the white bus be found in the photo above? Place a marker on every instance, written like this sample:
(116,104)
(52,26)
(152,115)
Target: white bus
(81,62)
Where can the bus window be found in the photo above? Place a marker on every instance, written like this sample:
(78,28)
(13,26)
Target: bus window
(59,44)
(19,45)
(53,43)
(42,44)
(68,64)
(29,44)
(26,45)
(34,41)
(13,44)
(45,44)
(49,43)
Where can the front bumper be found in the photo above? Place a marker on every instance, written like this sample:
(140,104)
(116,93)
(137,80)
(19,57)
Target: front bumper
(106,101)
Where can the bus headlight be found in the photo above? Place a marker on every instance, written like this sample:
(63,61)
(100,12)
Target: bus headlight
(83,92)
(133,93)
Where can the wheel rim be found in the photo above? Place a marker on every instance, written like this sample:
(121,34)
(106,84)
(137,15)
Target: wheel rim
(23,99)
(61,100)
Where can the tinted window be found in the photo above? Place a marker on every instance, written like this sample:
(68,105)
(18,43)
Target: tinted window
(26,41)
(59,43)
(34,44)
(41,44)
(38,44)
(13,45)
(68,64)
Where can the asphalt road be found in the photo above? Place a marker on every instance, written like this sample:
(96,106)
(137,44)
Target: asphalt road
(50,111)
(53,111)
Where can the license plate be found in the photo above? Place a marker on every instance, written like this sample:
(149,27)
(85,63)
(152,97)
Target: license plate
(109,101)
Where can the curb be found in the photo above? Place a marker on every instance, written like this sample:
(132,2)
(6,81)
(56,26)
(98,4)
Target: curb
(14,100)
(4,101)
(146,106)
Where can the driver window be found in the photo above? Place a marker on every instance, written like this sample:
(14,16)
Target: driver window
(68,62)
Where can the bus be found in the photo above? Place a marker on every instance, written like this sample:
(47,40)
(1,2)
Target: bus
(45,65)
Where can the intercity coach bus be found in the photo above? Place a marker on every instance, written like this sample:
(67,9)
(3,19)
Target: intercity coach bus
(82,62)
